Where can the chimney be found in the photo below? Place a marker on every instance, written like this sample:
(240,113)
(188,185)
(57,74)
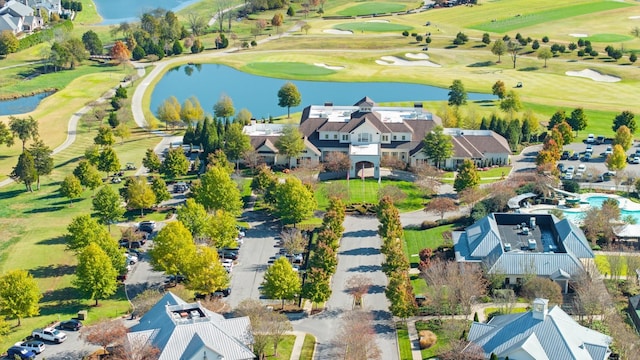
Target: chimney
(540,308)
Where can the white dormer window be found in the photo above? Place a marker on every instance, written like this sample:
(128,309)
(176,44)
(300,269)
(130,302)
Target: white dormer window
(385,138)
(364,137)
(345,137)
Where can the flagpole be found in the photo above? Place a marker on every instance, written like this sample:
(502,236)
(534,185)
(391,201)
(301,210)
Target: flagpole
(364,195)
(348,186)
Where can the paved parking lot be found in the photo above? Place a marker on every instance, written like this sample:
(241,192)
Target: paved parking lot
(73,348)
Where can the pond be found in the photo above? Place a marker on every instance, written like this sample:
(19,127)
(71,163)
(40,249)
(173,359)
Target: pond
(22,105)
(259,94)
(117,11)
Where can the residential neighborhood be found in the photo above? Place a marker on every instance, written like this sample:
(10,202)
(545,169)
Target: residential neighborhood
(319,180)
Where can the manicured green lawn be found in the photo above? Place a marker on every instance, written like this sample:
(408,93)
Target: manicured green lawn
(418,283)
(437,327)
(416,240)
(608,38)
(308,347)
(367,192)
(372,8)
(491,310)
(284,348)
(372,27)
(535,18)
(279,69)
(404,343)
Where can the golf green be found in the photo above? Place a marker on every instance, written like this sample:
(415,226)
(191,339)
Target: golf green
(372,27)
(276,69)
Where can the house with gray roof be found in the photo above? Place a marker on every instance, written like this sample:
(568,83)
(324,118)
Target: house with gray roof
(539,334)
(185,331)
(18,17)
(519,244)
(367,133)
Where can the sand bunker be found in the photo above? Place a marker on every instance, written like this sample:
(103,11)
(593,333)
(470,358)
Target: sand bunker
(419,56)
(593,75)
(329,66)
(579,35)
(396,61)
(338,32)
(378,21)
(634,17)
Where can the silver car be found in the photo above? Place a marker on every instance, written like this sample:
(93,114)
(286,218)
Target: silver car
(34,345)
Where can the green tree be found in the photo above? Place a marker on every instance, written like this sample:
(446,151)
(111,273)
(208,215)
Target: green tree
(169,112)
(221,229)
(545,54)
(294,201)
(281,281)
(19,294)
(151,161)
(499,48)
(205,272)
(467,176)
(316,286)
(88,175)
(42,159)
(324,258)
(108,205)
(122,131)
(557,118)
(92,42)
(625,118)
(105,137)
(82,231)
(243,117)
(92,155)
(173,249)
(224,107)
(499,89)
(6,137)
(290,143)
(71,188)
(578,120)
(511,103)
(389,218)
(108,161)
(24,129)
(139,194)
(486,39)
(175,164)
(95,275)
(514,47)
(566,131)
(457,93)
(159,188)
(437,146)
(194,217)
(617,160)
(623,138)
(236,143)
(191,111)
(400,295)
(8,43)
(25,171)
(291,11)
(289,96)
(177,48)
(216,191)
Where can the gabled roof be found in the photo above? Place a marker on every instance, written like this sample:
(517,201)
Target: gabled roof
(573,239)
(17,9)
(267,141)
(558,336)
(178,337)
(7,23)
(365,101)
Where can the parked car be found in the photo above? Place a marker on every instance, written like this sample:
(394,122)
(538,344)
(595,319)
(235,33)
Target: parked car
(49,334)
(582,168)
(21,353)
(32,345)
(147,226)
(600,139)
(131,259)
(575,156)
(589,148)
(635,159)
(591,139)
(130,166)
(561,167)
(570,169)
(565,155)
(586,157)
(608,151)
(72,324)
(568,176)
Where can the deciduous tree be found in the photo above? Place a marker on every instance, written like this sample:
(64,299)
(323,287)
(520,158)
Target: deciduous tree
(88,175)
(175,164)
(294,202)
(139,194)
(623,138)
(108,160)
(441,205)
(499,48)
(514,47)
(205,272)
(277,20)
(457,93)
(159,188)
(108,205)
(545,54)
(337,161)
(616,160)
(169,112)
(324,258)
(224,107)
(92,42)
(290,143)
(288,95)
(400,295)
(104,137)
(626,118)
(216,191)
(24,129)
(19,295)
(8,43)
(281,281)
(119,53)
(437,146)
(499,89)
(151,161)
(221,228)
(293,242)
(95,275)
(511,103)
(538,287)
(358,286)
(42,160)
(316,286)
(236,143)
(71,188)
(173,249)
(356,337)
(194,217)
(104,333)
(578,120)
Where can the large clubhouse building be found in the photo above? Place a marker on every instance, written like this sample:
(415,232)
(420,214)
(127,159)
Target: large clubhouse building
(367,133)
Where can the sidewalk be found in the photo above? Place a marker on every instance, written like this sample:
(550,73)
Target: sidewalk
(297,345)
(415,339)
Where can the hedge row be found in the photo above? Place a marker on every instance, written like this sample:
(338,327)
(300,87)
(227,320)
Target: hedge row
(43,35)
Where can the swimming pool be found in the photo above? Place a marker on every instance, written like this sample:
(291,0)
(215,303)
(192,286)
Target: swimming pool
(576,215)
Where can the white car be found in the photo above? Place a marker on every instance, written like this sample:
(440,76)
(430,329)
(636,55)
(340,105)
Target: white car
(582,168)
(570,169)
(591,139)
(33,345)
(131,259)
(568,176)
(635,159)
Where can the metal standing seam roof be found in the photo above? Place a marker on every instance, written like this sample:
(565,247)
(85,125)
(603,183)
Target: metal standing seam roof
(573,239)
(17,9)
(7,23)
(558,336)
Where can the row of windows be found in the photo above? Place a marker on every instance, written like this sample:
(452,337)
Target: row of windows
(366,137)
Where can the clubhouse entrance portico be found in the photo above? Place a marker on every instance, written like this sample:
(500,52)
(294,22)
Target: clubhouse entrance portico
(364,157)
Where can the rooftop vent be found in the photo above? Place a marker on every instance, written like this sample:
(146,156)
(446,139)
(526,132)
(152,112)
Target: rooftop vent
(328,104)
(417,105)
(532,244)
(507,247)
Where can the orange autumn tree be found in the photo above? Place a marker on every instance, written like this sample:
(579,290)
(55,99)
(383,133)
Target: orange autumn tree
(119,53)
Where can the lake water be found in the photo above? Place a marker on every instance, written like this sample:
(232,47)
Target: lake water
(117,11)
(21,105)
(259,94)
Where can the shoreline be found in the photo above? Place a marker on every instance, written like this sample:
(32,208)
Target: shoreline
(7,97)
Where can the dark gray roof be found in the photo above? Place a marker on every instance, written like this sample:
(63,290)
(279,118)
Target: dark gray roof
(365,100)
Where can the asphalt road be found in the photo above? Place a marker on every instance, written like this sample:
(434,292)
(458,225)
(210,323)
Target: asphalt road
(73,348)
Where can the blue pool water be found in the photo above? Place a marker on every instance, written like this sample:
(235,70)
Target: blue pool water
(597,201)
